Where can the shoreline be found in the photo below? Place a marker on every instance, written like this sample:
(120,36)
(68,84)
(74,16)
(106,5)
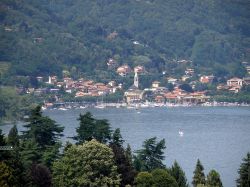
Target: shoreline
(77,105)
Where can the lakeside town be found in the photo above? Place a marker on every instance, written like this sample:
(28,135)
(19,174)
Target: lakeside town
(181,92)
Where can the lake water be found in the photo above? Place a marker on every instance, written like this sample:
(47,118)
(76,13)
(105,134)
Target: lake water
(218,136)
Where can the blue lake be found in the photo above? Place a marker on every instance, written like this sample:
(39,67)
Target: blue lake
(218,136)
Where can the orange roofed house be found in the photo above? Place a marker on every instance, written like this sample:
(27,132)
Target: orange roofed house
(139,69)
(123,70)
(207,79)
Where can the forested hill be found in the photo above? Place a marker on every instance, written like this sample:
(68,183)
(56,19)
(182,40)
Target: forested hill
(47,36)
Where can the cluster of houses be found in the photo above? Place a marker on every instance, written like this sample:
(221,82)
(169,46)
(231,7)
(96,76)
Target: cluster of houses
(125,69)
(162,94)
(156,93)
(80,87)
(234,84)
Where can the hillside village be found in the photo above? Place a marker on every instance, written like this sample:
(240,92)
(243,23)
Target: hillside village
(179,91)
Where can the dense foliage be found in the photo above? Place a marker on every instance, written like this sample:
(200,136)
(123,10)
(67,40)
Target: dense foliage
(179,175)
(89,164)
(92,128)
(213,179)
(122,159)
(199,176)
(13,106)
(41,129)
(244,172)
(157,178)
(48,36)
(151,155)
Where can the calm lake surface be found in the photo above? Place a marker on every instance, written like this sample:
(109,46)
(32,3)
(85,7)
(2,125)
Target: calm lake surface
(218,136)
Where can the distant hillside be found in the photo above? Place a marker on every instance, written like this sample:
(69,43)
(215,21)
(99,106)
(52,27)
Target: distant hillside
(47,36)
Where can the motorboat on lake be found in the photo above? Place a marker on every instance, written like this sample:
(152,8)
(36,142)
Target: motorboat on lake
(181,133)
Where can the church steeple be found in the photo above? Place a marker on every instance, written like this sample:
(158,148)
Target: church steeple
(136,80)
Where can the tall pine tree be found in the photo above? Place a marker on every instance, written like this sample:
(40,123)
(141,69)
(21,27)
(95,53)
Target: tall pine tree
(199,176)
(244,172)
(128,154)
(13,138)
(4,154)
(150,156)
(124,166)
(15,157)
(40,142)
(85,131)
(91,128)
(117,138)
(213,179)
(178,174)
(41,129)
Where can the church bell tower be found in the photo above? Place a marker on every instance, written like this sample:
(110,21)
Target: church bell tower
(136,80)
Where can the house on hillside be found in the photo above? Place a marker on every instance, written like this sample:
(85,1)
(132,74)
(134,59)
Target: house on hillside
(207,79)
(52,80)
(159,99)
(185,77)
(248,69)
(234,89)
(123,70)
(155,84)
(235,82)
(172,81)
(139,69)
(246,80)
(39,79)
(112,63)
(183,61)
(189,71)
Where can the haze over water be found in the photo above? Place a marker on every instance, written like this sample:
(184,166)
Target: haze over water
(218,136)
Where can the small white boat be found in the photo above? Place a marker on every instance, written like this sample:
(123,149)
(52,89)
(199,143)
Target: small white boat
(82,107)
(100,106)
(130,107)
(62,109)
(181,133)
(44,108)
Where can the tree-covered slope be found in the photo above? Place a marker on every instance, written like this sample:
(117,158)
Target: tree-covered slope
(47,36)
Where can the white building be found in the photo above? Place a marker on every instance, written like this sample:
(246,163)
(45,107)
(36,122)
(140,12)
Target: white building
(235,82)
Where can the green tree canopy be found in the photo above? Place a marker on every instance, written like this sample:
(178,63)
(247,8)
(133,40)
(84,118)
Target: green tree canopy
(15,161)
(244,172)
(6,175)
(199,176)
(122,160)
(161,178)
(40,142)
(128,154)
(13,138)
(213,179)
(30,153)
(92,128)
(41,176)
(4,155)
(179,175)
(151,155)
(144,179)
(117,138)
(89,164)
(41,129)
